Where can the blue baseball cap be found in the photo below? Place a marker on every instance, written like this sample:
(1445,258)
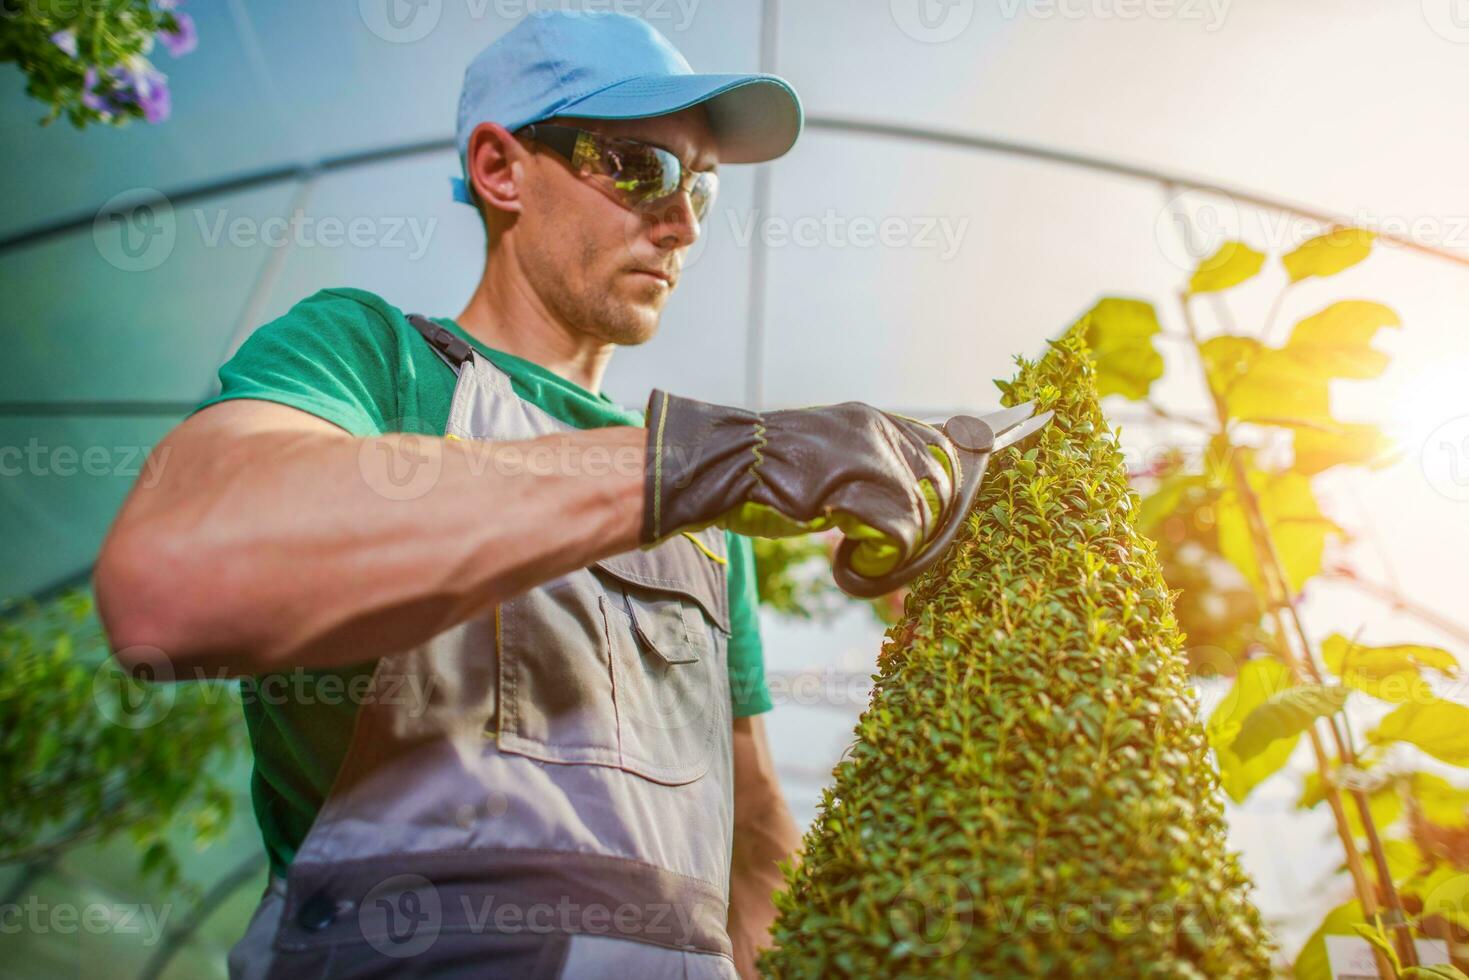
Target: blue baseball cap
(605,65)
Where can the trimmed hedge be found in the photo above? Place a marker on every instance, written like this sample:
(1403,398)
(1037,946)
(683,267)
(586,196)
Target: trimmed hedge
(1030,791)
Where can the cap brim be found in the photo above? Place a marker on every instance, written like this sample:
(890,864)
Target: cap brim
(753,117)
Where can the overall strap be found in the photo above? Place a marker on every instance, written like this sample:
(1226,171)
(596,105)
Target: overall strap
(447,344)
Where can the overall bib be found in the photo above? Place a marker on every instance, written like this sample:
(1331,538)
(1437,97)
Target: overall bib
(559,802)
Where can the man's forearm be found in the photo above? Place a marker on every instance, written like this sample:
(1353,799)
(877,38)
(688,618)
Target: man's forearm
(765,834)
(304,548)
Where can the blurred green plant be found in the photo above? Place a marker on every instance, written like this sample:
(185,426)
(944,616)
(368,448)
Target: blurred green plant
(1029,792)
(793,576)
(88,59)
(88,754)
(1242,534)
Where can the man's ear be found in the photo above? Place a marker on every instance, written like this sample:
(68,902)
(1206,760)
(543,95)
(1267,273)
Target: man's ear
(492,152)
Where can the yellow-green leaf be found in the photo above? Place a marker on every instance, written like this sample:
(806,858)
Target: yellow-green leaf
(1286,714)
(1120,334)
(1228,358)
(1231,265)
(1438,727)
(1445,893)
(1328,254)
(1442,802)
(1337,341)
(1403,858)
(1257,681)
(1289,385)
(1295,523)
(1170,495)
(1392,673)
(1312,962)
(1342,656)
(1320,446)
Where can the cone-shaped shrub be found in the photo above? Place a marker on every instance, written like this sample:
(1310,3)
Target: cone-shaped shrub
(1029,793)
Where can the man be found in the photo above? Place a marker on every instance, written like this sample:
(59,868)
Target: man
(522,733)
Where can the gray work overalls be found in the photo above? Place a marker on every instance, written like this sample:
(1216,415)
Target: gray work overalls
(559,805)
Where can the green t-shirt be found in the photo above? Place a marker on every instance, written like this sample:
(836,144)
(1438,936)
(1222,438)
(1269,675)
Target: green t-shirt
(348,356)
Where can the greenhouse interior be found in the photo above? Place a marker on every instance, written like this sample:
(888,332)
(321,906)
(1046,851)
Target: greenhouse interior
(1216,239)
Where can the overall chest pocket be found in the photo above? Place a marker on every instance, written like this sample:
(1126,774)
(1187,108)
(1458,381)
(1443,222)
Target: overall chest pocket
(602,668)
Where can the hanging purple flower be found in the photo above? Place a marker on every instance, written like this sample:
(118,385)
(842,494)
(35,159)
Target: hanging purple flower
(137,83)
(183,40)
(67,41)
(148,88)
(91,98)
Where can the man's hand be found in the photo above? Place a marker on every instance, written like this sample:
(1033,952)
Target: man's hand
(886,480)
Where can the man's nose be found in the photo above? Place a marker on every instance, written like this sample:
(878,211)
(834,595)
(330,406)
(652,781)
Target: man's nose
(670,221)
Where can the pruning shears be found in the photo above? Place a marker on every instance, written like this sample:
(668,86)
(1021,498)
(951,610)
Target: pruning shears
(977,439)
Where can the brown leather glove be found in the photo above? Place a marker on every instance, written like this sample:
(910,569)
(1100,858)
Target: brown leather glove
(886,480)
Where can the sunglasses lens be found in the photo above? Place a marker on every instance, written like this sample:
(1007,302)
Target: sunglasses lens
(701,194)
(640,174)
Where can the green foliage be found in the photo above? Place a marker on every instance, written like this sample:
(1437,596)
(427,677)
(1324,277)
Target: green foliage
(1328,254)
(1257,682)
(793,579)
(1286,715)
(1029,792)
(1120,336)
(1246,504)
(90,754)
(1231,265)
(87,59)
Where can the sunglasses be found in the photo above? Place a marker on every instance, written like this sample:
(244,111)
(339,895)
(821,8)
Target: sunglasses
(630,172)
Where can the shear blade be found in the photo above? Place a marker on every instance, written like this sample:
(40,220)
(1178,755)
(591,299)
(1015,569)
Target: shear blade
(1018,432)
(1006,418)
